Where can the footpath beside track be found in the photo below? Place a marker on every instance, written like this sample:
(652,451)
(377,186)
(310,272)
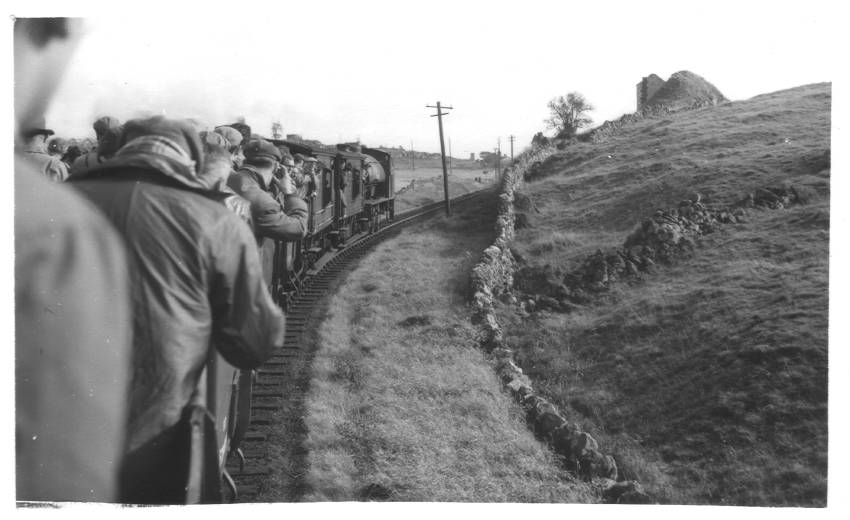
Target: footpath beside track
(274,456)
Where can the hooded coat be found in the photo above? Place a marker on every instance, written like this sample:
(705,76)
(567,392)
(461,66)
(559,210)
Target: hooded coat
(196,282)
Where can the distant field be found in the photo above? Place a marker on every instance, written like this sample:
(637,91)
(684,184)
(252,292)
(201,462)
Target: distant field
(404,176)
(708,378)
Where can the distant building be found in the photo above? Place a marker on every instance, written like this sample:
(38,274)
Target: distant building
(647,88)
(471,156)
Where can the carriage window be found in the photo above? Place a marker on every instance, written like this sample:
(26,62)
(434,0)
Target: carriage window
(356,181)
(327,182)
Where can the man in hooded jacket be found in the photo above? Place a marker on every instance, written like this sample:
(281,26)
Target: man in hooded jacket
(195,282)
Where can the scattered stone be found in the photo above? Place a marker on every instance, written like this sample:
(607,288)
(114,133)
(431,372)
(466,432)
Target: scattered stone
(415,321)
(626,492)
(375,491)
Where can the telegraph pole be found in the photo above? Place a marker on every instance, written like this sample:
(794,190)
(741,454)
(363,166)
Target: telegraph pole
(512,148)
(412,161)
(439,115)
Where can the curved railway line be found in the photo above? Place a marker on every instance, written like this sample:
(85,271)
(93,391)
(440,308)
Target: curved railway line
(279,389)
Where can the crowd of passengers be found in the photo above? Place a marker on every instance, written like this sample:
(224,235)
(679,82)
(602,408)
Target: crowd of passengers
(133,261)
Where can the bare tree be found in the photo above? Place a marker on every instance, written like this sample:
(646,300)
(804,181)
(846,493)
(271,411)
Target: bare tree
(569,114)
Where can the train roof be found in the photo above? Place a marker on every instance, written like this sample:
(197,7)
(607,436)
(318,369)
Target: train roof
(302,148)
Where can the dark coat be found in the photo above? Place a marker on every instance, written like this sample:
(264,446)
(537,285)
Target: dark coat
(196,282)
(272,220)
(72,344)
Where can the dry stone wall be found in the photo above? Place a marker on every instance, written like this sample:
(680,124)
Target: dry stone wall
(492,278)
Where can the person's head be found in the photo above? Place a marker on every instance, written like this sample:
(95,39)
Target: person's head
(217,159)
(57,146)
(232,136)
(287,164)
(173,143)
(71,154)
(42,48)
(108,131)
(262,155)
(243,129)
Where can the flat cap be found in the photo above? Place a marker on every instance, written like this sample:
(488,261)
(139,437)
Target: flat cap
(243,129)
(257,148)
(38,127)
(214,139)
(232,135)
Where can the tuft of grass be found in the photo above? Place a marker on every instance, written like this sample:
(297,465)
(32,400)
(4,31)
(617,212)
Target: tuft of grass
(707,379)
(415,412)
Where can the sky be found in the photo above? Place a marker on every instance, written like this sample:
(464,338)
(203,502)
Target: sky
(343,71)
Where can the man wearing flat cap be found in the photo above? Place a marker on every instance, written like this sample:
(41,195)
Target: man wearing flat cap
(234,144)
(273,220)
(35,147)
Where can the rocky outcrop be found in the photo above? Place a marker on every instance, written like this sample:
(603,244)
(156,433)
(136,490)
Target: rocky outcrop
(492,278)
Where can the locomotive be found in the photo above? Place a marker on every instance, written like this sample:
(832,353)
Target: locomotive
(353,194)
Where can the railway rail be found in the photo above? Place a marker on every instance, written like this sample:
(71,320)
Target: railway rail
(270,396)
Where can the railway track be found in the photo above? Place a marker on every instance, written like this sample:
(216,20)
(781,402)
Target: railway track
(281,383)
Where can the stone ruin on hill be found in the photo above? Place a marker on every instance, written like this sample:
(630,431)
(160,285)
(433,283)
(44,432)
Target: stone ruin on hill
(683,89)
(655,97)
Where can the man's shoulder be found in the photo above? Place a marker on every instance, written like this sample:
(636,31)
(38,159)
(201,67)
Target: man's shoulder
(244,181)
(38,202)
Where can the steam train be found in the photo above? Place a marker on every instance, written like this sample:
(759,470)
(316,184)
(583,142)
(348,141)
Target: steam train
(352,193)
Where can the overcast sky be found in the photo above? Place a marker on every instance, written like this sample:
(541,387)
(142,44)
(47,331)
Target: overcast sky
(364,69)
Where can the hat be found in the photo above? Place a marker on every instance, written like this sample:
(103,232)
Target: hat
(214,139)
(181,133)
(104,124)
(243,129)
(232,135)
(257,148)
(311,159)
(300,157)
(38,128)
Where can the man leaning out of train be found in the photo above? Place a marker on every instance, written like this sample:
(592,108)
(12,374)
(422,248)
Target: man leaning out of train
(196,283)
(256,182)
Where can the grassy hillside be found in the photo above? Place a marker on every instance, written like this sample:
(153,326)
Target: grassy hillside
(708,376)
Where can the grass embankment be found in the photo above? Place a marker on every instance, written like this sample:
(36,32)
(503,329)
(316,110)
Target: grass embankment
(708,378)
(402,404)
